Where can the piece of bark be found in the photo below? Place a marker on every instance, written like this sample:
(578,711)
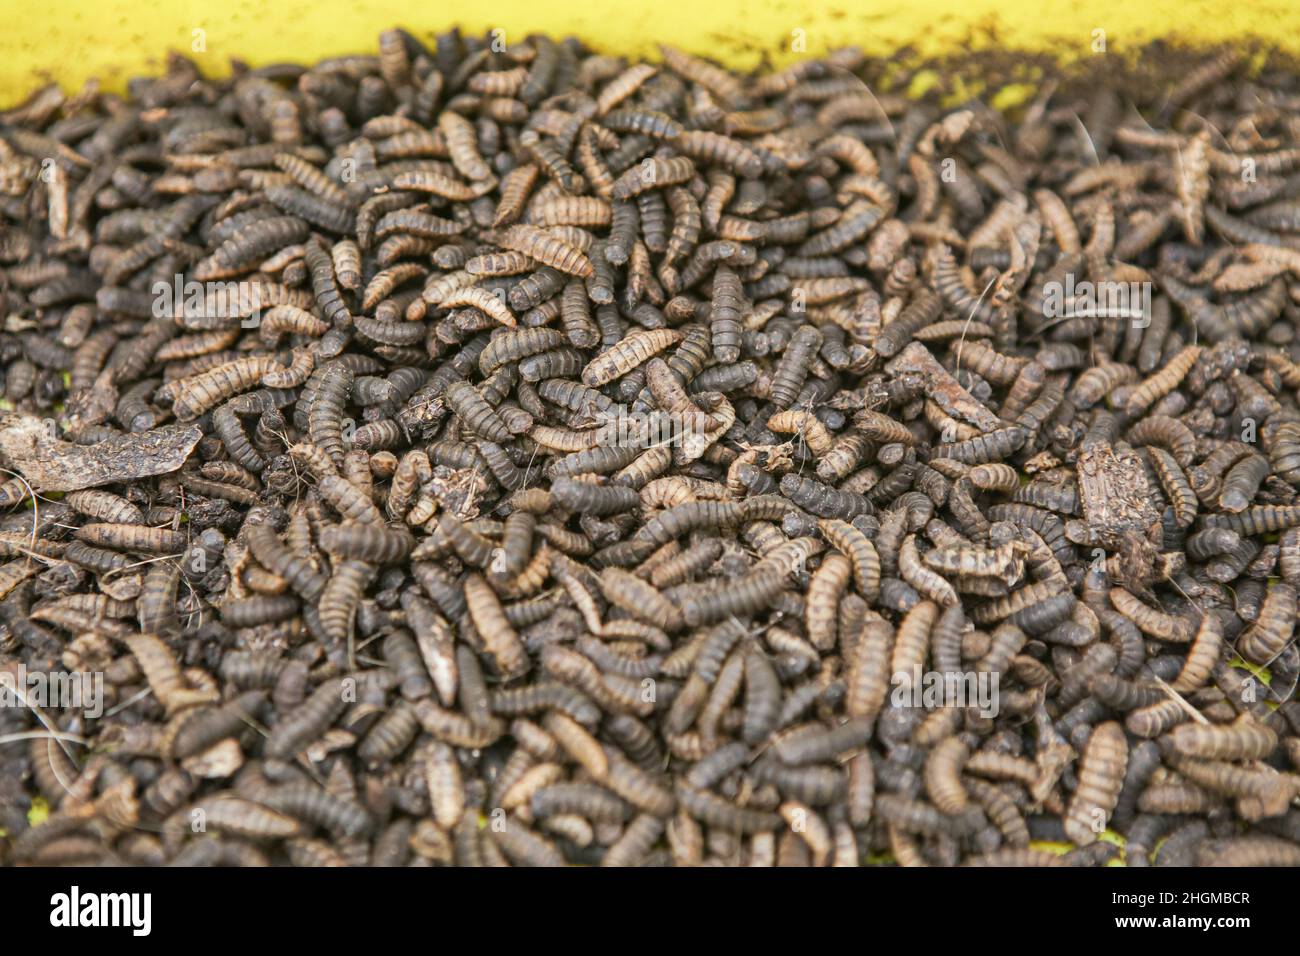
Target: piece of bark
(1119,513)
(31,447)
(1114,493)
(945,390)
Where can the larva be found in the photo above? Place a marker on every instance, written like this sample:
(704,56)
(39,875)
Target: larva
(636,348)
(546,248)
(1242,740)
(792,370)
(478,416)
(824,591)
(823,500)
(367,542)
(806,426)
(131,537)
(943,776)
(1164,381)
(478,298)
(995,477)
(589,498)
(926,581)
(248,247)
(1267,637)
(341,596)
(1101,773)
(1250,851)
(307,721)
(104,506)
(499,638)
(640,599)
(196,395)
(1202,656)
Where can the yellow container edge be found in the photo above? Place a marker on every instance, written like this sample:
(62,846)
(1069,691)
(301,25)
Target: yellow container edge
(112,40)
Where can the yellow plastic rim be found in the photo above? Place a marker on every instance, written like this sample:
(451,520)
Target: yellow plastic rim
(74,40)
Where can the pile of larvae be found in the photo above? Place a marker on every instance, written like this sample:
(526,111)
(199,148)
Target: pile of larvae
(637,464)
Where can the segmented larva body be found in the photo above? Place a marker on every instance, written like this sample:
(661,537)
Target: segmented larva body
(1005,562)
(477,298)
(325,414)
(685,565)
(987,363)
(943,776)
(653,173)
(282,319)
(823,500)
(1252,851)
(926,581)
(635,349)
(1174,483)
(545,247)
(499,639)
(341,596)
(250,246)
(369,542)
(792,371)
(1260,792)
(1202,656)
(1059,220)
(1289,556)
(462,145)
(1101,380)
(132,537)
(824,591)
(882,428)
(198,394)
(104,506)
(163,674)
(707,604)
(1242,740)
(847,451)
(1150,621)
(1164,381)
(995,477)
(1284,452)
(474,411)
(640,599)
(806,426)
(156,605)
(295,374)
(1101,774)
(667,391)
(1271,632)
(855,545)
(990,447)
(726,315)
